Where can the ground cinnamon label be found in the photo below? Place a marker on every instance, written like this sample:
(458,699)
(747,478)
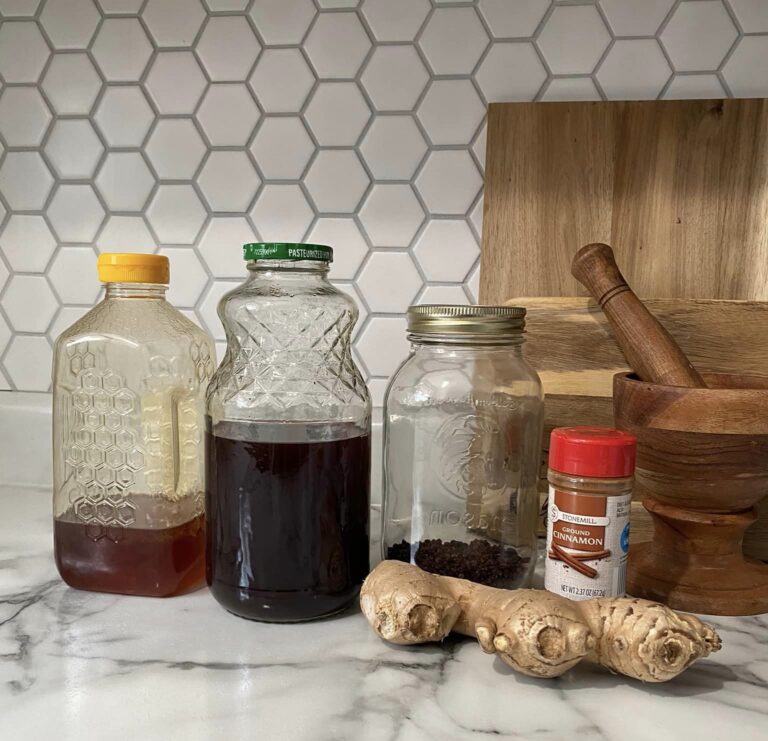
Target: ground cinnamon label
(590,476)
(588,544)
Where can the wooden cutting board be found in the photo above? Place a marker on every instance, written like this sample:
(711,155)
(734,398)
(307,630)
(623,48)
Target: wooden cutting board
(569,340)
(679,189)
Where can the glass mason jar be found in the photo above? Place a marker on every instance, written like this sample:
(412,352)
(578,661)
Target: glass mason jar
(129,383)
(288,443)
(462,434)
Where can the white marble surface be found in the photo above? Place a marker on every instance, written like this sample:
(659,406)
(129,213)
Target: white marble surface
(77,666)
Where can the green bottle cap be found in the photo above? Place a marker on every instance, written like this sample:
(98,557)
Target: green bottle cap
(287,251)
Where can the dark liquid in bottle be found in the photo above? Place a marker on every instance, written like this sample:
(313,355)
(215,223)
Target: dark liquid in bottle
(157,562)
(287,522)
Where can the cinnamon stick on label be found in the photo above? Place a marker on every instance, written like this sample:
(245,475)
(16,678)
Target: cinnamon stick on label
(566,558)
(599,556)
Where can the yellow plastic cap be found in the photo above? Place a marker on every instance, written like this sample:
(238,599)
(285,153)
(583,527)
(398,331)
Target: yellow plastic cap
(133,267)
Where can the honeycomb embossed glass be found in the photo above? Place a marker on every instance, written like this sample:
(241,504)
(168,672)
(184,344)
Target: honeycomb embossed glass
(129,383)
(288,448)
(462,432)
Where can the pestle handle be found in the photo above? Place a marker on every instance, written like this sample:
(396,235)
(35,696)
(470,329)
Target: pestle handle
(648,347)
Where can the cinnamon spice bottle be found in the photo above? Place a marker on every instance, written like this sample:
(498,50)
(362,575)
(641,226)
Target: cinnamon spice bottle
(590,491)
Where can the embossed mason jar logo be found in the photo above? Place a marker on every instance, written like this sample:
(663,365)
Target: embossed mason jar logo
(473,520)
(463,452)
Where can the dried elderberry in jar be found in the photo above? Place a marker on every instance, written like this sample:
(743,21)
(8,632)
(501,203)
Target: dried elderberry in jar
(463,421)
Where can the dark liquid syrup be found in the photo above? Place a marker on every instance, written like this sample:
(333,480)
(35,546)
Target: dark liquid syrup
(287,522)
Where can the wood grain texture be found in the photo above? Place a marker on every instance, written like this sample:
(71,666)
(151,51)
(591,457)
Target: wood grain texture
(652,353)
(695,563)
(700,449)
(678,188)
(702,466)
(570,344)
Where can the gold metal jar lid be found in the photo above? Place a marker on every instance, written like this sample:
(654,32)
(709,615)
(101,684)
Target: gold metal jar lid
(447,319)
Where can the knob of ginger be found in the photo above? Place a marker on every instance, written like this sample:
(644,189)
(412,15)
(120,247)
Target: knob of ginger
(535,632)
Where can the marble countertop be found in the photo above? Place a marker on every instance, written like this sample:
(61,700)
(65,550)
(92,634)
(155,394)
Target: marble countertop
(80,666)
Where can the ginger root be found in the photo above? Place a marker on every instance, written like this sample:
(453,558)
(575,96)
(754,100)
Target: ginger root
(535,632)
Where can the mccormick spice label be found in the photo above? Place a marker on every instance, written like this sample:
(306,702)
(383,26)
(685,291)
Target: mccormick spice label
(587,544)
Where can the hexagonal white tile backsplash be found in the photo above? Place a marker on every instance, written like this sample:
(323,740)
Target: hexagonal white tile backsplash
(190,126)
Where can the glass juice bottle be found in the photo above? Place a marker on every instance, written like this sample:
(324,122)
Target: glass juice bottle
(129,383)
(288,449)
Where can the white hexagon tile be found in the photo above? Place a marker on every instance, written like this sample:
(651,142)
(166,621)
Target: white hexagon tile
(121,49)
(23,51)
(337,113)
(282,21)
(228,181)
(389,281)
(175,149)
(710,23)
(281,212)
(173,22)
(449,181)
(191,126)
(215,245)
(453,41)
(125,233)
(228,114)
(191,276)
(123,116)
(281,80)
(71,83)
(24,116)
(393,147)
(507,19)
(573,39)
(350,247)
(337,44)
(451,111)
(228,48)
(395,77)
(72,275)
(75,213)
(446,250)
(511,71)
(27,243)
(175,82)
(70,25)
(176,214)
(73,148)
(395,20)
(617,73)
(282,147)
(391,215)
(125,181)
(336,180)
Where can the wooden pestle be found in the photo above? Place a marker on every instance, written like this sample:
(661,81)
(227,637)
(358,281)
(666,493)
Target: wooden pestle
(649,348)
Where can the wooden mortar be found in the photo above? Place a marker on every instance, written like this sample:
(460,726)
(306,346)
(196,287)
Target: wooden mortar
(702,457)
(702,466)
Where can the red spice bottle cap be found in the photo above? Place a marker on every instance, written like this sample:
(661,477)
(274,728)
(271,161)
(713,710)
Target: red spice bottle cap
(601,452)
